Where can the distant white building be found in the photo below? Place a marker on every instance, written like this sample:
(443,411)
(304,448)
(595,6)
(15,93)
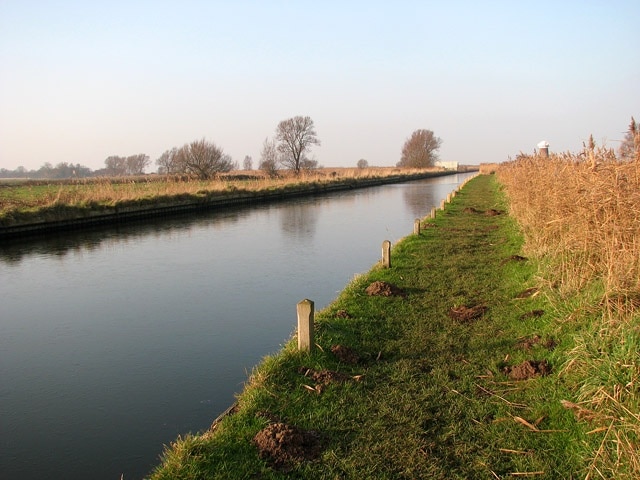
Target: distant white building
(543,148)
(447,165)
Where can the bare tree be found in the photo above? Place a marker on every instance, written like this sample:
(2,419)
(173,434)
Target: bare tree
(115,165)
(269,158)
(295,136)
(362,163)
(137,163)
(247,164)
(203,159)
(168,162)
(419,151)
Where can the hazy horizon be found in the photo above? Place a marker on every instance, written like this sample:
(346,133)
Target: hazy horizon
(81,81)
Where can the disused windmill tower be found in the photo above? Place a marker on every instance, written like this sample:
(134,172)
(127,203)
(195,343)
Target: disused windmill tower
(543,148)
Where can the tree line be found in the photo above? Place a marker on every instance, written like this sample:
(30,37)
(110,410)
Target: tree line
(289,148)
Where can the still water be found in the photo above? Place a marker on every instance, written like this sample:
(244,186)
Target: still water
(115,341)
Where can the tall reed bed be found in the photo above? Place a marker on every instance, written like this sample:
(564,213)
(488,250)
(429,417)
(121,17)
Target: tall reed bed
(580,214)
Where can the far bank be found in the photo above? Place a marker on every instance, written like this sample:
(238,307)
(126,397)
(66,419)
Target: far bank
(70,210)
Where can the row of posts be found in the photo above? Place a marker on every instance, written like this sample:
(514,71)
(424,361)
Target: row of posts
(305,308)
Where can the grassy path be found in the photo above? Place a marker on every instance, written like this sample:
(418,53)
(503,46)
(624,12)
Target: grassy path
(454,376)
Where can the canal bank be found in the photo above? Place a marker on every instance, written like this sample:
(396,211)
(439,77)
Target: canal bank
(443,366)
(60,218)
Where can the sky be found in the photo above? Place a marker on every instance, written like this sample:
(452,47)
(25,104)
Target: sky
(81,81)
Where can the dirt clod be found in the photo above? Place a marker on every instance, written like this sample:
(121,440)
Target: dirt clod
(532,314)
(345,354)
(493,213)
(384,289)
(528,369)
(343,314)
(529,342)
(466,314)
(324,377)
(285,445)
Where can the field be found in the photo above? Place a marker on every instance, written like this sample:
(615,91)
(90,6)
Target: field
(25,200)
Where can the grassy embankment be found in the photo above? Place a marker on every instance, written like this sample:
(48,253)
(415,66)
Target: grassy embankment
(35,201)
(463,373)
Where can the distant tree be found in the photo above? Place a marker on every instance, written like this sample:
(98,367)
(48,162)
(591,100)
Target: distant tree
(295,136)
(269,158)
(247,164)
(46,170)
(362,163)
(630,146)
(168,162)
(420,150)
(203,159)
(131,165)
(137,163)
(308,164)
(116,166)
(64,170)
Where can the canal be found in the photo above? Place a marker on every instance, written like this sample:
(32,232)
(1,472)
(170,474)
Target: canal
(115,341)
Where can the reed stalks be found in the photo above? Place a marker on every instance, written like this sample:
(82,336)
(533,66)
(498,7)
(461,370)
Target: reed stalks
(580,214)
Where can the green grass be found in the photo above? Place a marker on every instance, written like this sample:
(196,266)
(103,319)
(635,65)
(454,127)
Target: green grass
(431,399)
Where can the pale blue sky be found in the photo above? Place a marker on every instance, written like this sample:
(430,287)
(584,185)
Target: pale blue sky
(83,80)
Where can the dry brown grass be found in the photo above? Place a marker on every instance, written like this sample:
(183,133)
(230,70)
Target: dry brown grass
(580,214)
(488,168)
(29,196)
(581,211)
(118,189)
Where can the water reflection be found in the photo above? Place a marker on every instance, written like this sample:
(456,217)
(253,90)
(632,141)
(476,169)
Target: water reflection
(299,221)
(64,243)
(115,341)
(418,200)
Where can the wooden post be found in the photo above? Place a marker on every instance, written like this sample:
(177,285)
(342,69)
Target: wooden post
(442,205)
(305,325)
(386,254)
(433,212)
(416,226)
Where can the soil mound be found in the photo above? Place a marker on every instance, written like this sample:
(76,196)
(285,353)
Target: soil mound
(466,314)
(493,213)
(324,377)
(384,289)
(471,210)
(284,445)
(528,369)
(345,354)
(529,342)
